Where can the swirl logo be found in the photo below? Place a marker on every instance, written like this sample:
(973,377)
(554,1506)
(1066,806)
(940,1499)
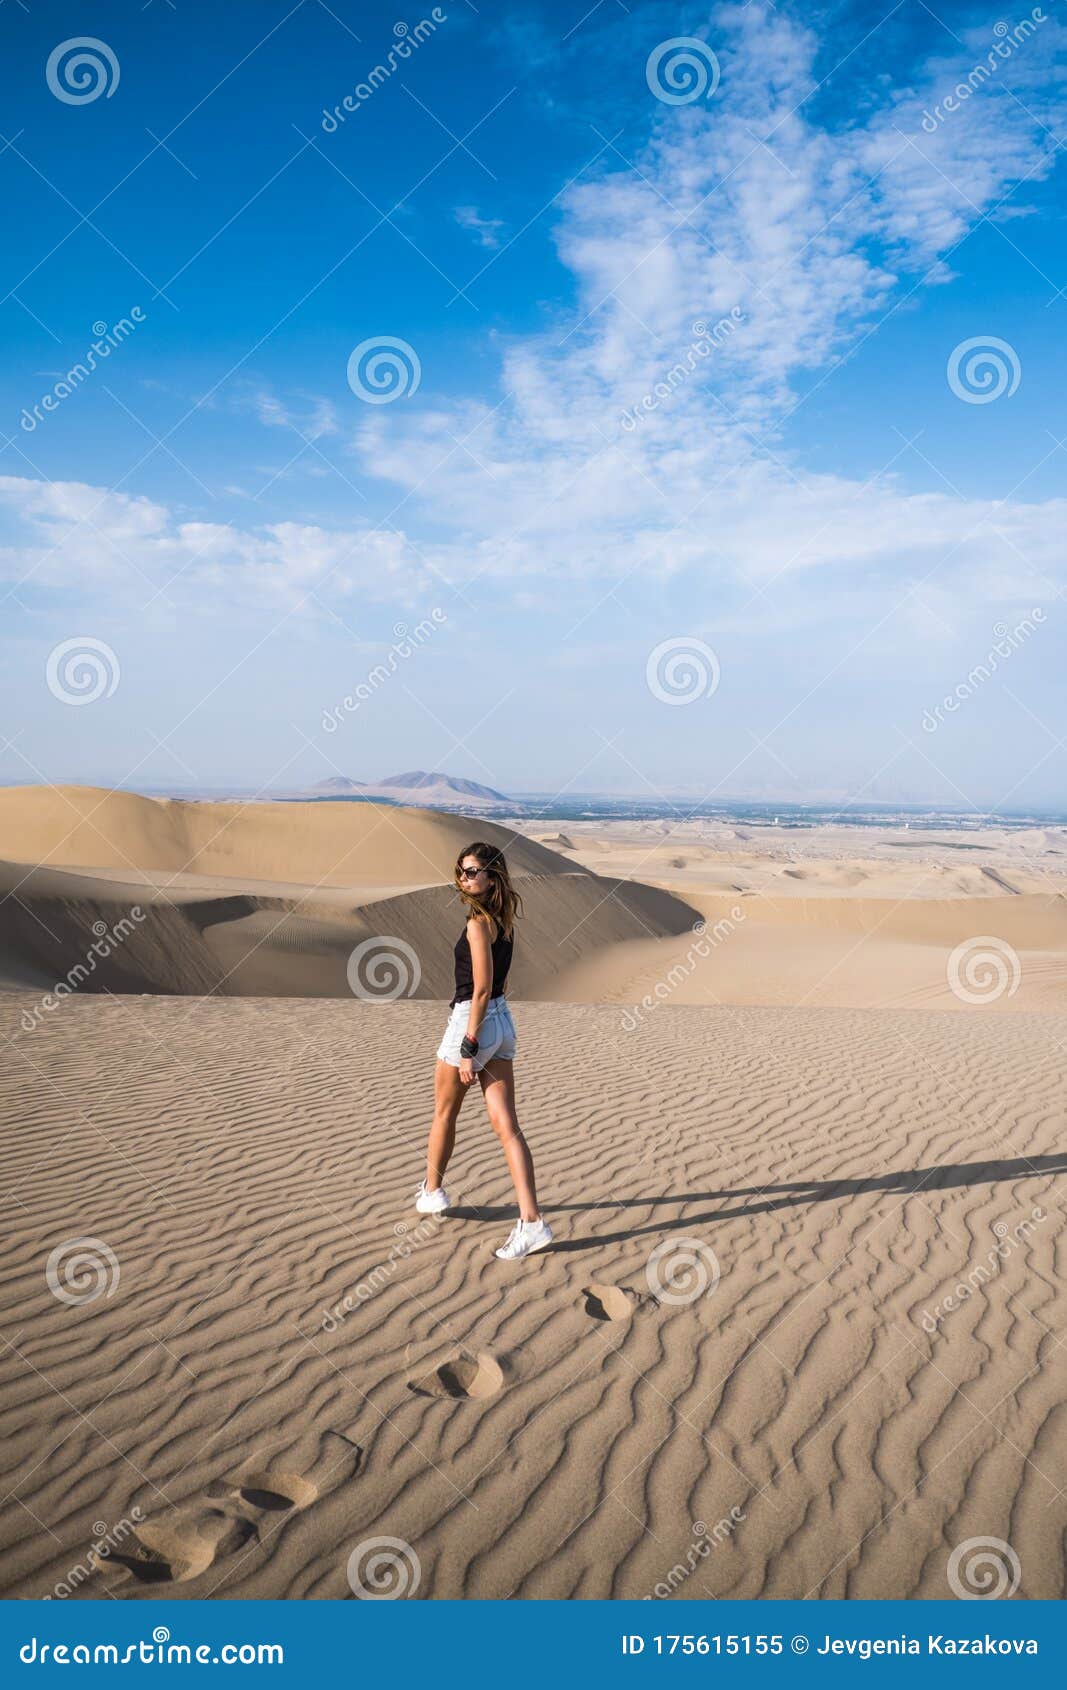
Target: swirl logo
(81,69)
(383,969)
(81,1270)
(160,1634)
(681,670)
(983,969)
(682,1269)
(383,369)
(984,1569)
(983,369)
(81,670)
(381,1569)
(682,70)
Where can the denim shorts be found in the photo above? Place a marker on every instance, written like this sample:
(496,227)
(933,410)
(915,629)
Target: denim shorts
(496,1035)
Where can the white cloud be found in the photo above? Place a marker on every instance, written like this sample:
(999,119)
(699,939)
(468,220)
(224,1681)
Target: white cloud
(813,234)
(69,534)
(486,229)
(741,204)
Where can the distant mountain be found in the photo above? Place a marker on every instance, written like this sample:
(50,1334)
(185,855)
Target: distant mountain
(414,787)
(417,779)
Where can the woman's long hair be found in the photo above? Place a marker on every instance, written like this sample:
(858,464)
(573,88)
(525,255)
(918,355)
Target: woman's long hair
(501,901)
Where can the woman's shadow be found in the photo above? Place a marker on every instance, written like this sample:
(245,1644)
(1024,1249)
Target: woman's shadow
(772,1197)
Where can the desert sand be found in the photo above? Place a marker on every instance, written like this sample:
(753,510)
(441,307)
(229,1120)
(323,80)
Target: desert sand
(801,1331)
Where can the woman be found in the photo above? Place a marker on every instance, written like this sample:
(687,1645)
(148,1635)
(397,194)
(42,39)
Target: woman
(480,1039)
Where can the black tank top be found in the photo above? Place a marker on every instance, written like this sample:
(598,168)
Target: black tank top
(501,950)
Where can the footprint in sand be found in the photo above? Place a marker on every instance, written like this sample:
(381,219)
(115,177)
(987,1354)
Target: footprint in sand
(461,1375)
(182,1542)
(614,1302)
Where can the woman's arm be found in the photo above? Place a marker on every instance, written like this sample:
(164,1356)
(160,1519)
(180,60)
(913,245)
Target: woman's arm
(482,965)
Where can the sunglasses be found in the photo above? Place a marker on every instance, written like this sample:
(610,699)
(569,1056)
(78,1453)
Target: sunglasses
(471,873)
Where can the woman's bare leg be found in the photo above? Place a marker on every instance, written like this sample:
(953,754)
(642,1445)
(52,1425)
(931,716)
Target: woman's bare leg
(498,1088)
(448,1095)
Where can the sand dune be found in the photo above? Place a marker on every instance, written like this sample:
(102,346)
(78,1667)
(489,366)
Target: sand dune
(274,900)
(280,1373)
(951,954)
(141,879)
(322,844)
(236,1357)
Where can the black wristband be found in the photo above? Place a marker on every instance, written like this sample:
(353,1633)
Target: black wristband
(469,1047)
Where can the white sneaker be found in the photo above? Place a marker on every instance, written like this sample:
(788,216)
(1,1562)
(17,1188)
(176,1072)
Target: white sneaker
(432,1202)
(525,1237)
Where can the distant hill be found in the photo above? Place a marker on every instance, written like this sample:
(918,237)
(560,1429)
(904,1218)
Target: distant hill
(417,779)
(416,786)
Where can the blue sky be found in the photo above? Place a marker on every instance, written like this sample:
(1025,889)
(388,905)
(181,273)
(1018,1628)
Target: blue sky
(811,499)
